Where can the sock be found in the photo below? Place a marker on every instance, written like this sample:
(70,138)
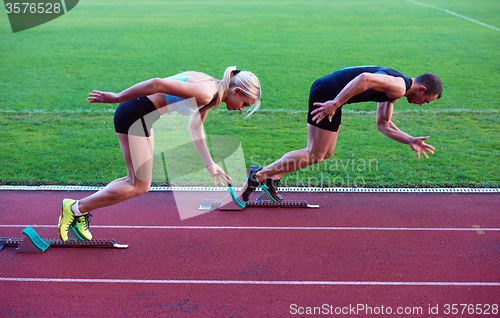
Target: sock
(75,210)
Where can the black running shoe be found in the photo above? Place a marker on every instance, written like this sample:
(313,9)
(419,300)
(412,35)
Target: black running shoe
(251,184)
(271,188)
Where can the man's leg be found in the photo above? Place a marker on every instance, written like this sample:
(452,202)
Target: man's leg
(320,145)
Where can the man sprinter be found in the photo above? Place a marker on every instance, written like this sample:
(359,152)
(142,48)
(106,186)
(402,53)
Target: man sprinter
(326,98)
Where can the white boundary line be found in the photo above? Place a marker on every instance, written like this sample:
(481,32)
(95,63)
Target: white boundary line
(453,13)
(263,110)
(284,189)
(240,282)
(308,228)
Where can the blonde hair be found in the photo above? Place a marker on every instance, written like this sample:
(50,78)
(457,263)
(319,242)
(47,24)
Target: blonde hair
(247,81)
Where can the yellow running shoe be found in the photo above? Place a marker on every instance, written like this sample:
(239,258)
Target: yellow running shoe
(82,226)
(66,219)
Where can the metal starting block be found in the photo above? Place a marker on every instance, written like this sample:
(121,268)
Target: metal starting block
(208,205)
(231,206)
(33,243)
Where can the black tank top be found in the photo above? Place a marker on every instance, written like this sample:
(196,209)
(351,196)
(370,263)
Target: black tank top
(347,74)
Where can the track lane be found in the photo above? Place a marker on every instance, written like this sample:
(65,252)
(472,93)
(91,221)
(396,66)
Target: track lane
(253,255)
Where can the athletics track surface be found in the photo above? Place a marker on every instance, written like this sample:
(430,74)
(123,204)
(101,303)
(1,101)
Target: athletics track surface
(377,250)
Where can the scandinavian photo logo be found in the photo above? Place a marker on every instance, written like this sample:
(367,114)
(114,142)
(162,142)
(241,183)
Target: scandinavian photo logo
(28,14)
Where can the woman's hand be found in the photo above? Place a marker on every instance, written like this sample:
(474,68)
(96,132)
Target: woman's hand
(218,174)
(102,97)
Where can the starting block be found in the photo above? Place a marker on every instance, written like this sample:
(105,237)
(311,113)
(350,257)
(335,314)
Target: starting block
(268,204)
(33,243)
(208,205)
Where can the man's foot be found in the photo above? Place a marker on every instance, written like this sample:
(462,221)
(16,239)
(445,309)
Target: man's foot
(66,219)
(270,186)
(252,183)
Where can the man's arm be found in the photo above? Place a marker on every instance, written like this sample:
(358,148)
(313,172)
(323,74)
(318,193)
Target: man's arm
(393,87)
(388,128)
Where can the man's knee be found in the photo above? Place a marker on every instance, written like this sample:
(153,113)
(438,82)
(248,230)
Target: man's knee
(327,155)
(317,157)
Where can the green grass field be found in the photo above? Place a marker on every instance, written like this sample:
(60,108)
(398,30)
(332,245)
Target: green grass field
(50,135)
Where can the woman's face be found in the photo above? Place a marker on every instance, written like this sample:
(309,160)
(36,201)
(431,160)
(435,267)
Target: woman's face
(236,100)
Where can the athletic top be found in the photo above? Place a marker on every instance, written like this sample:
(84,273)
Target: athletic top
(186,107)
(347,74)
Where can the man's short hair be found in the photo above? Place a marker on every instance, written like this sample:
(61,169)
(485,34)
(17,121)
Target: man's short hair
(432,84)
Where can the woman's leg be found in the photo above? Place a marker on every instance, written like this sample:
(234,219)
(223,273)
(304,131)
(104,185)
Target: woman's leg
(138,155)
(132,118)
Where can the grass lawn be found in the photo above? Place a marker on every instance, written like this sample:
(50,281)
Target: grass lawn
(50,135)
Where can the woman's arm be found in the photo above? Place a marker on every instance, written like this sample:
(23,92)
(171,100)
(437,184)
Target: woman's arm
(200,142)
(201,91)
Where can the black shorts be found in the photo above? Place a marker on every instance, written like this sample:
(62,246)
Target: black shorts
(325,89)
(136,117)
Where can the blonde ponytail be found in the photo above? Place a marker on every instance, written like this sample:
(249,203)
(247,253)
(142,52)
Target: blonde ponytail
(224,85)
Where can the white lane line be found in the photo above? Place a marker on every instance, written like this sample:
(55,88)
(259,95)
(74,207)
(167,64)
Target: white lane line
(453,13)
(306,228)
(261,110)
(240,282)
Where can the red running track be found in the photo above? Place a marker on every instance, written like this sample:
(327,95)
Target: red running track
(359,253)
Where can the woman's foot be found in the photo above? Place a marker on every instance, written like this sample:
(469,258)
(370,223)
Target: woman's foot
(68,218)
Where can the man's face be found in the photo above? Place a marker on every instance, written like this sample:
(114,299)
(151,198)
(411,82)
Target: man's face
(420,98)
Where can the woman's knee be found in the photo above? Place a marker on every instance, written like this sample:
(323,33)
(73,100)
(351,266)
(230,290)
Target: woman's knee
(140,189)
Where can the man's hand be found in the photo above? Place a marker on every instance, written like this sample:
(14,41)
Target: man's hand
(325,109)
(421,147)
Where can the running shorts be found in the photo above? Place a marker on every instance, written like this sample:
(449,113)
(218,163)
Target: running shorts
(324,89)
(136,117)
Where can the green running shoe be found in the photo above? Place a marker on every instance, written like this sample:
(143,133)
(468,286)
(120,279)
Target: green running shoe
(270,186)
(79,224)
(66,219)
(82,226)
